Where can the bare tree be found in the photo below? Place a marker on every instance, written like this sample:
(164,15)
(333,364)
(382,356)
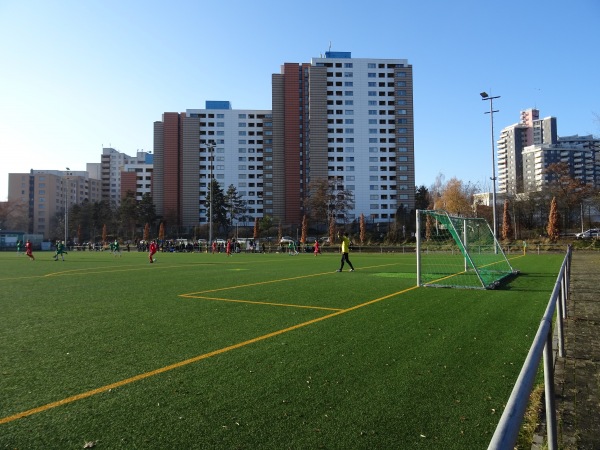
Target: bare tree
(329,198)
(569,192)
(13,215)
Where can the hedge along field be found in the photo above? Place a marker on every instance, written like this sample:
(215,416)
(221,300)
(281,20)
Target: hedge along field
(256,351)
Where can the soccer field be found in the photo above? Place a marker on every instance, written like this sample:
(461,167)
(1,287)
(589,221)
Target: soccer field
(256,351)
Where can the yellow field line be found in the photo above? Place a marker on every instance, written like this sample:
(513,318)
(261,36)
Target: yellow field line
(260,303)
(259,283)
(186,362)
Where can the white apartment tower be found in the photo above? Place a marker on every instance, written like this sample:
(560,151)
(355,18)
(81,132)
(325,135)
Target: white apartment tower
(347,120)
(531,130)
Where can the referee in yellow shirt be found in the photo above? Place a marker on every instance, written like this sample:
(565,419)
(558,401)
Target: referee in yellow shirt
(345,251)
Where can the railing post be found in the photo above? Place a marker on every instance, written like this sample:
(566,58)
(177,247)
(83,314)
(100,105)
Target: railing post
(564,293)
(559,324)
(549,393)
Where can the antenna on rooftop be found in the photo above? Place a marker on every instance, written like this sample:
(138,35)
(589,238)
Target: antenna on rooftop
(329,45)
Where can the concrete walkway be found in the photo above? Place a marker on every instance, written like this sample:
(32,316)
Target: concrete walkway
(577,374)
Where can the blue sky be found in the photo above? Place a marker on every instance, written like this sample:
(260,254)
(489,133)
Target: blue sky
(79,75)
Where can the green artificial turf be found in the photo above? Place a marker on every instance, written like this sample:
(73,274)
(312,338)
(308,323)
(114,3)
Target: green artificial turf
(256,351)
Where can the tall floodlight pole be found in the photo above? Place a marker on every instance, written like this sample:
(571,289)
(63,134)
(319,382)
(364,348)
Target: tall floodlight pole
(485,96)
(67,197)
(211,148)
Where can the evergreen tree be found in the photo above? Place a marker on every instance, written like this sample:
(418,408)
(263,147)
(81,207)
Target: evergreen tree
(146,211)
(507,228)
(553,220)
(363,230)
(219,204)
(128,215)
(235,204)
(422,198)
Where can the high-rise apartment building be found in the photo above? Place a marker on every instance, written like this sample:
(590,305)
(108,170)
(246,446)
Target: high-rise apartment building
(531,130)
(115,163)
(526,149)
(50,192)
(136,175)
(183,162)
(581,155)
(349,121)
(338,119)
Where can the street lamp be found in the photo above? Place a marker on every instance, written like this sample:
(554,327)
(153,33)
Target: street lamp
(485,96)
(211,147)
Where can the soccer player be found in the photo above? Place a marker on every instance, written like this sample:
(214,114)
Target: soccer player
(60,250)
(29,250)
(152,251)
(345,249)
(19,247)
(316,248)
(116,248)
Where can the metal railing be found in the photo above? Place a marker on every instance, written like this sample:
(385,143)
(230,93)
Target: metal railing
(507,431)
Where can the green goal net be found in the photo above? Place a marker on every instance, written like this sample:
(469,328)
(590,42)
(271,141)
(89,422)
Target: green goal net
(459,252)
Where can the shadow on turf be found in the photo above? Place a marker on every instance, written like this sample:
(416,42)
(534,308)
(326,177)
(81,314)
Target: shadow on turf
(505,284)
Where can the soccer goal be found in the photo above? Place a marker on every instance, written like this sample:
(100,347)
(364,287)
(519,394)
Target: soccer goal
(459,252)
